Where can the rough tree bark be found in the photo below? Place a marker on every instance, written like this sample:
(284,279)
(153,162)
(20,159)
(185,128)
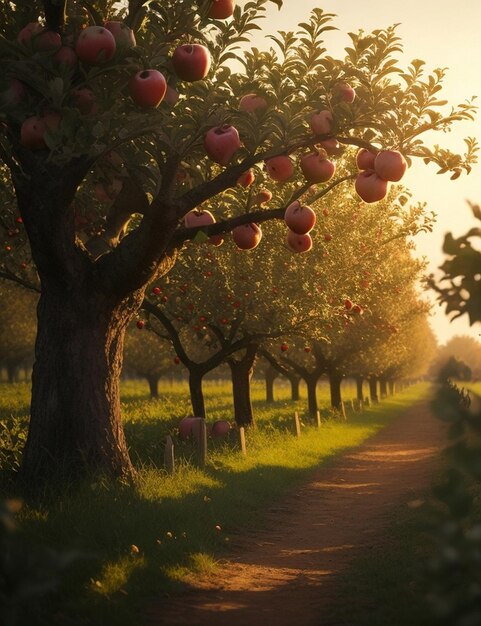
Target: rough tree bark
(196,394)
(373,389)
(241,372)
(153,386)
(270,376)
(295,382)
(335,380)
(383,387)
(311,383)
(359,387)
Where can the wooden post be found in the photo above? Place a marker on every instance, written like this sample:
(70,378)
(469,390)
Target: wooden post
(169,458)
(351,405)
(367,402)
(342,408)
(318,417)
(202,444)
(242,438)
(297,423)
(361,404)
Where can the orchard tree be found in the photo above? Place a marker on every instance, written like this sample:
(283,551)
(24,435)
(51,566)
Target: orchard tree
(462,347)
(117,120)
(148,356)
(233,301)
(363,270)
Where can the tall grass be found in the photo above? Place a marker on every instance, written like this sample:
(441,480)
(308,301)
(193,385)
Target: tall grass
(140,541)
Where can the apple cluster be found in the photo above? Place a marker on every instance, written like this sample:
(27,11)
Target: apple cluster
(97,46)
(376,171)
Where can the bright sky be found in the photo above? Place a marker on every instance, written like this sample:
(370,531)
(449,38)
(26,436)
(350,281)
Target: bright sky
(443,37)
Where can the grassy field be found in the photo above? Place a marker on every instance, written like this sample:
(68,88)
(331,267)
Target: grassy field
(131,543)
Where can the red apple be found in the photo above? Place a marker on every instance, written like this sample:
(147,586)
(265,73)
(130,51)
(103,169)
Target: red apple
(28,31)
(156,291)
(220,428)
(140,324)
(221,142)
(95,45)
(299,218)
(316,168)
(344,92)
(247,236)
(357,309)
(191,61)
(147,88)
(221,9)
(47,40)
(32,133)
(327,237)
(85,101)
(365,159)
(246,179)
(307,349)
(298,243)
(280,168)
(251,103)
(390,165)
(176,360)
(123,35)
(348,304)
(190,426)
(262,197)
(321,122)
(66,56)
(284,347)
(171,96)
(197,218)
(370,187)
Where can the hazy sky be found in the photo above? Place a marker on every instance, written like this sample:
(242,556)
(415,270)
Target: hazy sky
(443,35)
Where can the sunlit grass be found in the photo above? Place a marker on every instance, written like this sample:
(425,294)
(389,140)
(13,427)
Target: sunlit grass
(180,523)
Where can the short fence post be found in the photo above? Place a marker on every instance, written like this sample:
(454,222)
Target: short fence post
(351,405)
(318,417)
(202,444)
(297,423)
(367,402)
(169,458)
(342,408)
(242,438)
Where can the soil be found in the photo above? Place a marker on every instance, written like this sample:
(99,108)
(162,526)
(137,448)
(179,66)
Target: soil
(287,574)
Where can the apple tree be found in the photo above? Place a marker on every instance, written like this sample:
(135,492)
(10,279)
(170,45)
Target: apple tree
(117,119)
(146,355)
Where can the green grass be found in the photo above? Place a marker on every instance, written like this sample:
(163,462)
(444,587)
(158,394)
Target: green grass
(139,542)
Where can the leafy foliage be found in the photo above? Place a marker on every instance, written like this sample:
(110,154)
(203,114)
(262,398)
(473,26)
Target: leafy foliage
(455,572)
(460,286)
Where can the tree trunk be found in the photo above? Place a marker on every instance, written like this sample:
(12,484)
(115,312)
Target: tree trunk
(335,380)
(12,373)
(359,381)
(75,426)
(383,387)
(241,372)
(311,382)
(373,389)
(153,386)
(391,386)
(270,375)
(295,382)
(196,393)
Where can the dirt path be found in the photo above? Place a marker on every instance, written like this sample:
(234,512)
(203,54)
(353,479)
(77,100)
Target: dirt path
(286,575)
